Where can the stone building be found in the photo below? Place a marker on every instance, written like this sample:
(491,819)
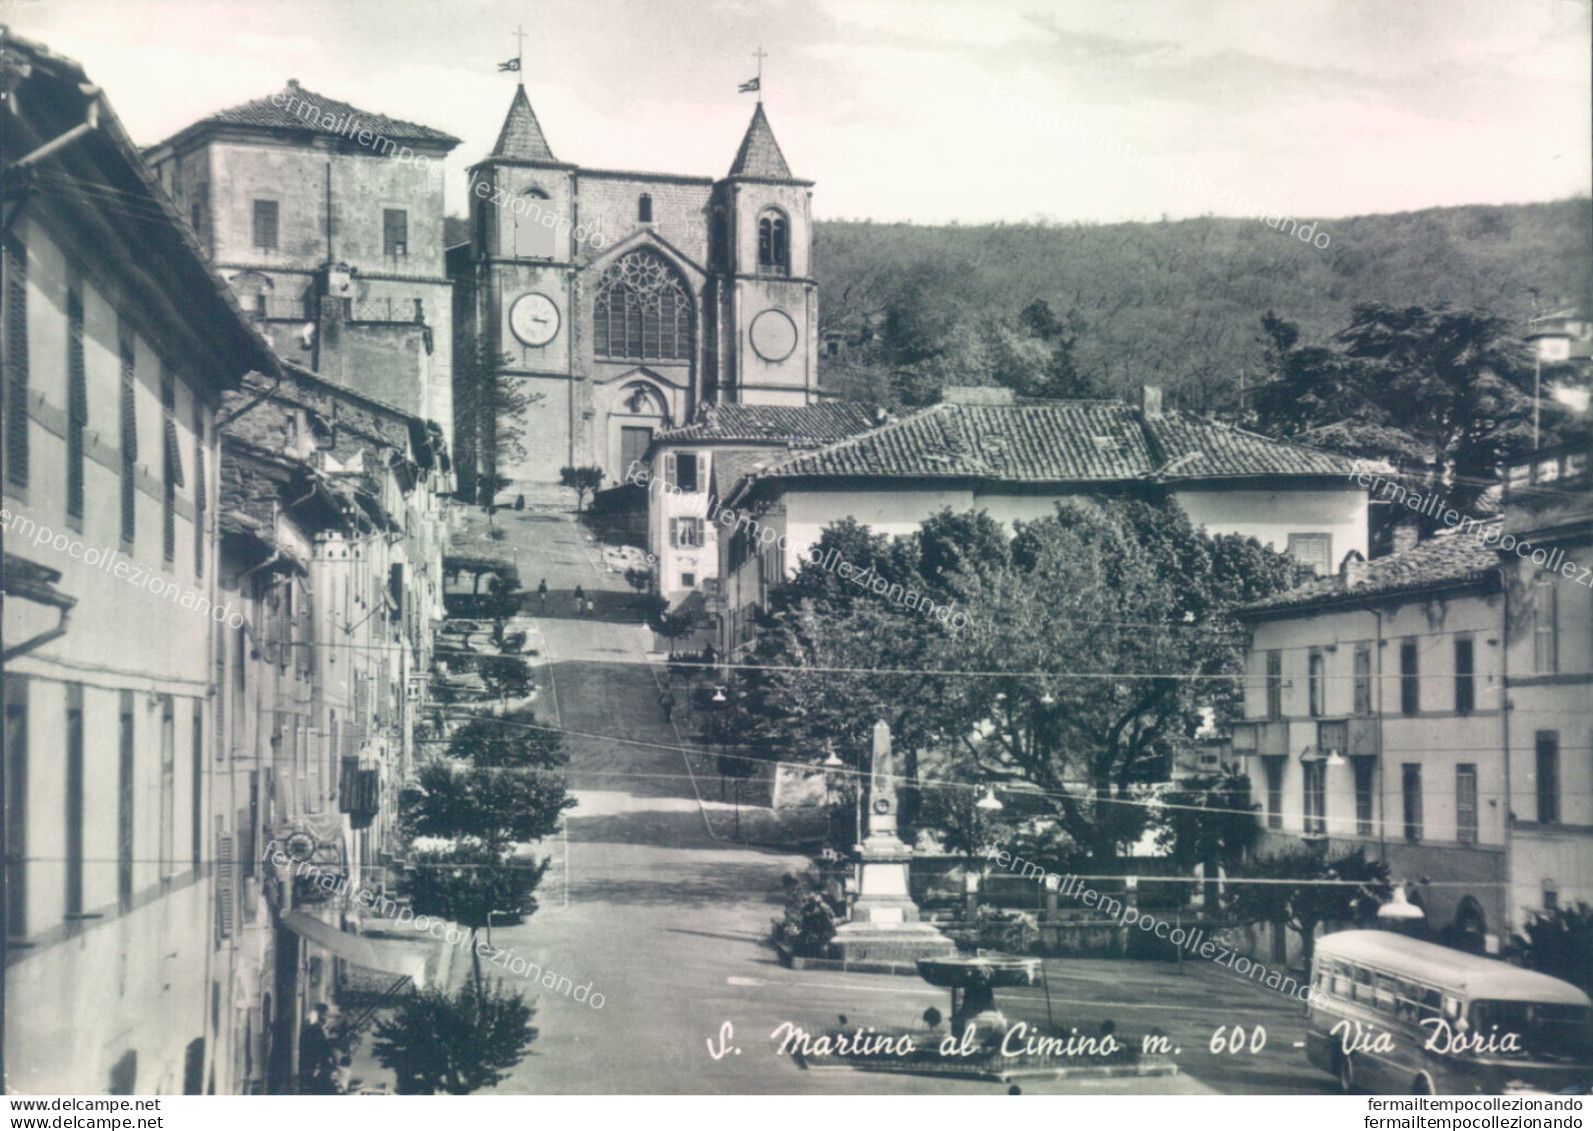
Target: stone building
(624,300)
(332,555)
(327,221)
(119,343)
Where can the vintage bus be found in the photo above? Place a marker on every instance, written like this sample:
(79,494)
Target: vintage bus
(1396,1016)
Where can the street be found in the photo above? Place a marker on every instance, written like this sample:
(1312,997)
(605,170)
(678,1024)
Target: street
(665,915)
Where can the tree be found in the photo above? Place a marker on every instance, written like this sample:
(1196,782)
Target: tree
(498,807)
(583,481)
(1560,943)
(457,1044)
(1447,390)
(489,416)
(954,813)
(496,742)
(507,677)
(1138,593)
(808,924)
(1210,822)
(1315,890)
(473,885)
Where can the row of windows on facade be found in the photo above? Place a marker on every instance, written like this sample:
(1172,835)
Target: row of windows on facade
(18,393)
(1545,649)
(267,214)
(1314,789)
(72,761)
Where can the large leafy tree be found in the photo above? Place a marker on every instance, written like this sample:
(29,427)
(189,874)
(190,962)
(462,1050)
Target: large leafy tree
(473,885)
(1449,391)
(498,806)
(1560,943)
(496,742)
(1209,821)
(794,700)
(455,1043)
(1304,888)
(1127,613)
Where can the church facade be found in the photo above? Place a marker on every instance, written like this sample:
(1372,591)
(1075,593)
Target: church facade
(623,300)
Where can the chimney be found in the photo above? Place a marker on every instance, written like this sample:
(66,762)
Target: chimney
(1405,538)
(1150,401)
(1353,570)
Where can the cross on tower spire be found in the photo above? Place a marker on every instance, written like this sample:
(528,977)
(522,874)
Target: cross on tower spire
(519,52)
(760,55)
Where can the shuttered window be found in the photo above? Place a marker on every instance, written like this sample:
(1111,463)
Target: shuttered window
(77,403)
(129,443)
(224,886)
(16,352)
(201,500)
(171,463)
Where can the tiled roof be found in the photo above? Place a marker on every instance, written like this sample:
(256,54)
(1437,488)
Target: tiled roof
(799,426)
(1448,558)
(333,117)
(732,467)
(521,138)
(759,155)
(1058,441)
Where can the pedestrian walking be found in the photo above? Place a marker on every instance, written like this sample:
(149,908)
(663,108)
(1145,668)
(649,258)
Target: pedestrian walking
(542,592)
(580,600)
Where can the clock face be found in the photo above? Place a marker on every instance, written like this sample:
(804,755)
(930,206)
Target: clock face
(774,335)
(882,805)
(534,319)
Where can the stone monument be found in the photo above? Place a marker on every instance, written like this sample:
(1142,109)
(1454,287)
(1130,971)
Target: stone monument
(885,924)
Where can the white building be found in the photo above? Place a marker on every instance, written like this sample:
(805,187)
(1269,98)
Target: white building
(118,344)
(982,449)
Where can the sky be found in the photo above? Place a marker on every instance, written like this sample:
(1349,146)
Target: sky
(929,111)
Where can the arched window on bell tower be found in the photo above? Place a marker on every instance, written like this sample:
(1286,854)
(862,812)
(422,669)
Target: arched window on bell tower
(774,243)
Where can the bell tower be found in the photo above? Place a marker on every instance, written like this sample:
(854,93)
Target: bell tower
(763,225)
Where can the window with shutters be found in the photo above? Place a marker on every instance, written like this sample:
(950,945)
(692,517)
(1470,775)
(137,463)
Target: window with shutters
(196,787)
(1466,803)
(395,231)
(1363,680)
(224,884)
(1316,683)
(1465,676)
(77,403)
(124,807)
(1275,684)
(74,800)
(168,787)
(1411,791)
(642,310)
(129,439)
(171,462)
(1273,768)
(1365,775)
(201,497)
(265,225)
(1548,776)
(1314,779)
(16,356)
(1410,684)
(1545,630)
(16,807)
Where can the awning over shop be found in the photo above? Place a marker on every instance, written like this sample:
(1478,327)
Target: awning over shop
(386,955)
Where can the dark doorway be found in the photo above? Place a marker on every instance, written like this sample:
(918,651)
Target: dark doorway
(633,445)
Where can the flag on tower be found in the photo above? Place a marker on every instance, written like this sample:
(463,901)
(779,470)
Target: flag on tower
(751,85)
(511,65)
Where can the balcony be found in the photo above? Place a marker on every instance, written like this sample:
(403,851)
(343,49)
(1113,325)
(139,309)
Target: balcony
(1267,738)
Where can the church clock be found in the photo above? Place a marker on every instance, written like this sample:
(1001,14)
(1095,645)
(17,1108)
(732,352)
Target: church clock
(774,335)
(534,319)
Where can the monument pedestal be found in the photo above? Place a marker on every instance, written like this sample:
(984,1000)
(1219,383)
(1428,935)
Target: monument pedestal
(885,924)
